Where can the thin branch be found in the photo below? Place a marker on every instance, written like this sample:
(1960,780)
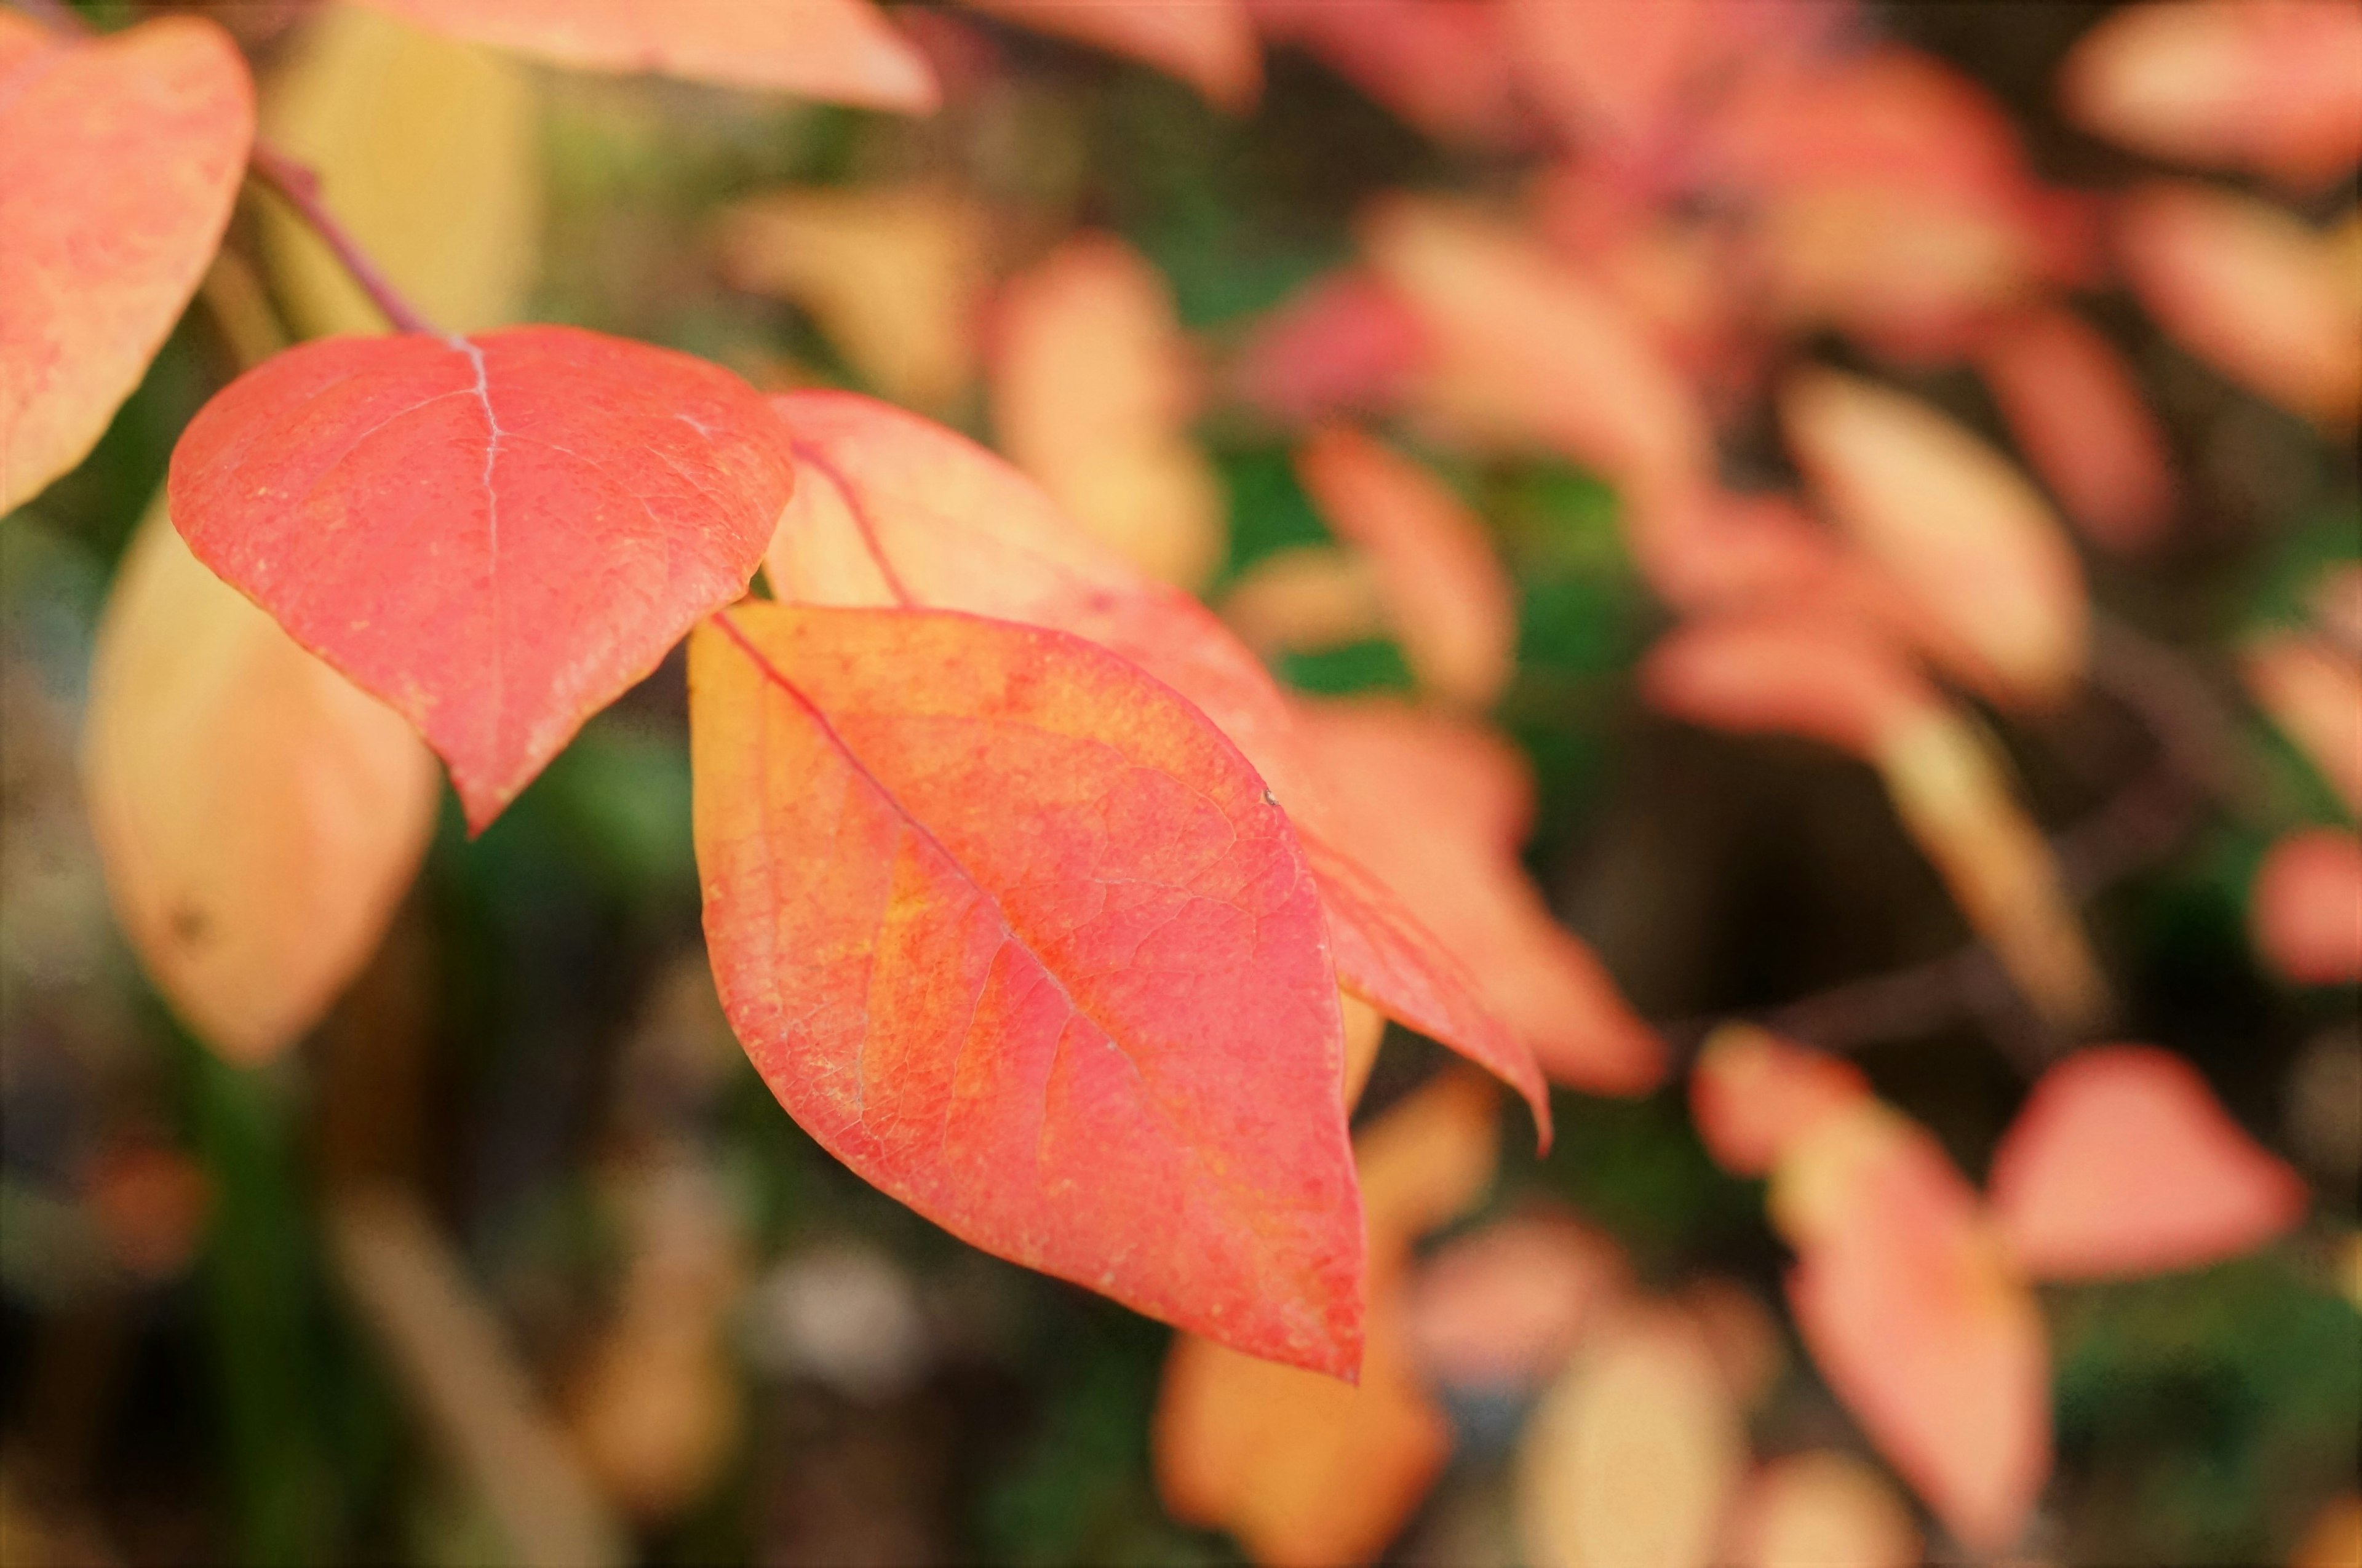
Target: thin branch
(299,187)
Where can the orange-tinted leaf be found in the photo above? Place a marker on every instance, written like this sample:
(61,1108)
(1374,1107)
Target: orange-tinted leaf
(1821,1509)
(1501,1308)
(1912,1309)
(1452,605)
(1303,599)
(2249,289)
(894,510)
(2124,1162)
(1953,521)
(1016,933)
(1438,807)
(2273,86)
(2314,695)
(257,816)
(496,535)
(2306,907)
(119,158)
(1093,389)
(1209,44)
(1441,65)
(896,277)
(842,51)
(2334,1539)
(1523,349)
(1343,344)
(2071,401)
(1632,1457)
(1773,673)
(1753,1095)
(1612,75)
(1302,1469)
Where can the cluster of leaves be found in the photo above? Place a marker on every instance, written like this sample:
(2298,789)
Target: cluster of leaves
(1031,894)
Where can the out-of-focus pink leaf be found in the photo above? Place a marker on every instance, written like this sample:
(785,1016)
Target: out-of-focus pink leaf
(2315,697)
(1772,674)
(2071,401)
(1343,344)
(1438,806)
(2305,911)
(1500,1309)
(2123,1162)
(1612,75)
(1451,603)
(1209,44)
(1821,1508)
(1953,522)
(2270,86)
(1753,1094)
(1442,65)
(2249,289)
(1093,391)
(1917,1319)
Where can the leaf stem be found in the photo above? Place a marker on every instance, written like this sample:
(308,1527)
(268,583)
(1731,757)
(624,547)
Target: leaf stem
(299,187)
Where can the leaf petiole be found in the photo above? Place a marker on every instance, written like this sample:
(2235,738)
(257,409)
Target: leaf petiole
(299,187)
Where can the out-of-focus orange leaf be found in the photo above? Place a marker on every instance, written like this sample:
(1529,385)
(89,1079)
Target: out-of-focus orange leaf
(2071,401)
(1631,1458)
(1093,389)
(1343,344)
(2305,911)
(259,816)
(1502,1308)
(1366,1032)
(1609,74)
(2314,695)
(842,51)
(2272,86)
(2124,1162)
(896,510)
(1843,685)
(1753,1094)
(1821,1509)
(896,277)
(1451,603)
(1438,806)
(2334,1540)
(1304,1469)
(1209,44)
(1524,349)
(1918,1321)
(2249,289)
(1442,65)
(119,158)
(1953,521)
(1304,599)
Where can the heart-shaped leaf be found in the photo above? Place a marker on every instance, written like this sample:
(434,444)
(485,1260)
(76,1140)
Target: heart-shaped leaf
(119,158)
(496,535)
(1016,935)
(897,510)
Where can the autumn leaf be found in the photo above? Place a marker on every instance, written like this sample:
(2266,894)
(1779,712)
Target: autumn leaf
(2314,695)
(842,51)
(2305,911)
(1211,44)
(1439,807)
(1304,599)
(1016,933)
(1451,603)
(1441,65)
(2272,86)
(1092,392)
(1632,1457)
(428,151)
(1499,1310)
(1613,77)
(1821,1508)
(1754,1095)
(2249,289)
(495,535)
(1304,1471)
(259,817)
(1953,522)
(2123,1162)
(896,510)
(2071,401)
(1343,344)
(1917,1319)
(119,158)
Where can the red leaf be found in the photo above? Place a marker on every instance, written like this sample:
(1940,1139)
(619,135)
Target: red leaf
(2306,909)
(1020,937)
(897,510)
(1909,1305)
(119,158)
(1211,44)
(495,535)
(842,51)
(1754,1095)
(2071,401)
(1343,343)
(2124,1162)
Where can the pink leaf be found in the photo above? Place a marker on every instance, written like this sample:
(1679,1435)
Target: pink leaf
(2306,907)
(1753,1095)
